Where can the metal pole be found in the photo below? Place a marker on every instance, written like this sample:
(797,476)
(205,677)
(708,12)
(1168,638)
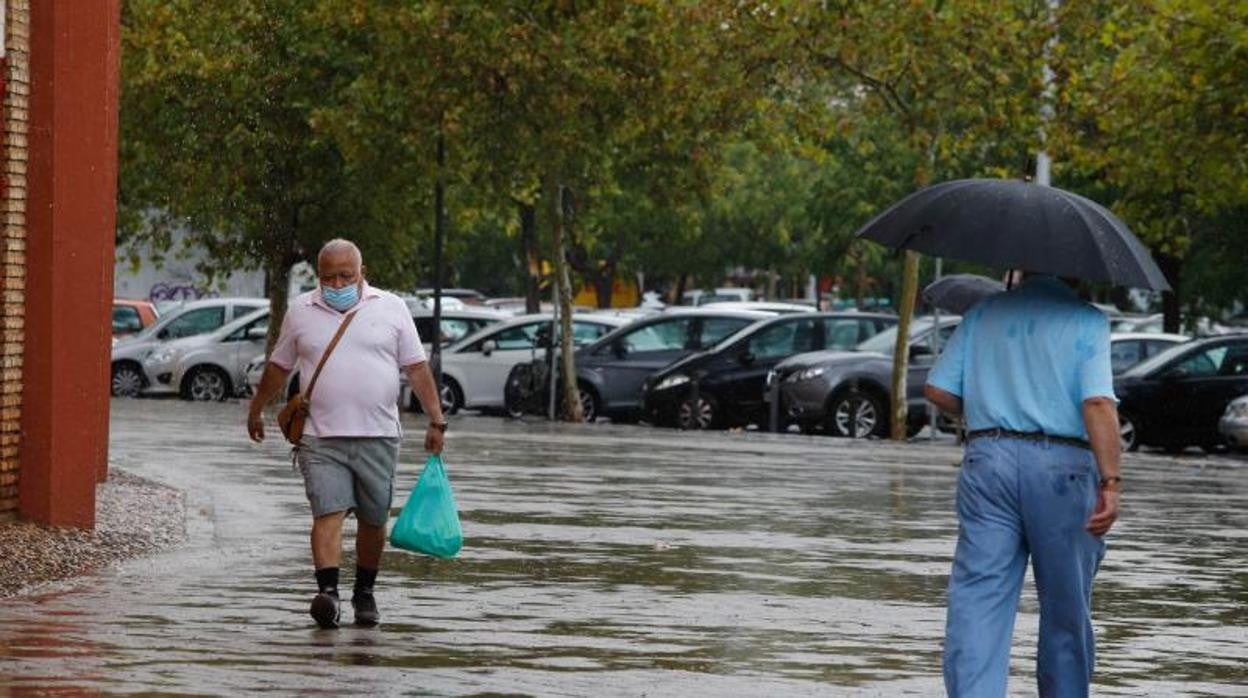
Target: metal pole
(932,413)
(1043,162)
(550,347)
(439,236)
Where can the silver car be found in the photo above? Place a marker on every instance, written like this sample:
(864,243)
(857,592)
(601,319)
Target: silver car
(194,318)
(1233,426)
(210,366)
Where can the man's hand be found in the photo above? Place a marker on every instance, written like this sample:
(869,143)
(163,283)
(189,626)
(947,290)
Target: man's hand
(1106,513)
(426,390)
(271,381)
(255,427)
(434,438)
(945,401)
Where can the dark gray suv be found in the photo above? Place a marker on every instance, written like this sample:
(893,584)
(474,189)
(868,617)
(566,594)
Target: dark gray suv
(846,393)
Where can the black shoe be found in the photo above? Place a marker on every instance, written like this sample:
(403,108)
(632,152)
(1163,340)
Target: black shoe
(325,610)
(365,608)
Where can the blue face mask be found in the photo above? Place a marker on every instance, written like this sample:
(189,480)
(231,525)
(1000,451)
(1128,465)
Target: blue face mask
(341,299)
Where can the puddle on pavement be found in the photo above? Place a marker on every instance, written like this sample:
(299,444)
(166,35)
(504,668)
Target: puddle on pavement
(619,560)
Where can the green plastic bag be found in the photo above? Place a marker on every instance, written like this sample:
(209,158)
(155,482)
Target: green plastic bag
(429,522)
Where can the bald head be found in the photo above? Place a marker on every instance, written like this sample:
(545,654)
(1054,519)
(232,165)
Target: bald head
(339,263)
(339,247)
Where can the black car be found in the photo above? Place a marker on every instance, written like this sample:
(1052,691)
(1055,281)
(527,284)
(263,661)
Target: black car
(1175,399)
(610,372)
(846,393)
(724,386)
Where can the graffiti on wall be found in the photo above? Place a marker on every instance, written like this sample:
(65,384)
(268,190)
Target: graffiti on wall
(177,292)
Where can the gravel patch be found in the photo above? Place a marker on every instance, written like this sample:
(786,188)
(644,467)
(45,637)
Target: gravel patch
(133,517)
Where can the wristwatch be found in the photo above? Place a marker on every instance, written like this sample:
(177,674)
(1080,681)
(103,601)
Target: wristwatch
(1111,480)
(440,426)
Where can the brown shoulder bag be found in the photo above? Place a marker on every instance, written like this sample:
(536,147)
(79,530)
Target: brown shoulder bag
(295,413)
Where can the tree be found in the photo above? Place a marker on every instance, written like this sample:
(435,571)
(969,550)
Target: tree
(221,133)
(958,80)
(1153,102)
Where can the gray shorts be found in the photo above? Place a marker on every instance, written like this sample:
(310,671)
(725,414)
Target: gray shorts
(350,474)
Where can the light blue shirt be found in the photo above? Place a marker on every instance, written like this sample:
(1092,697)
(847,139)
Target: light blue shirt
(1027,359)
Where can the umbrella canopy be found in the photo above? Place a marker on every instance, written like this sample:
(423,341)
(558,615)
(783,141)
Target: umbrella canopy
(958,292)
(1016,225)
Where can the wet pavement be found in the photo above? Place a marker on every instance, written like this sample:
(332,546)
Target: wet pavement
(617,560)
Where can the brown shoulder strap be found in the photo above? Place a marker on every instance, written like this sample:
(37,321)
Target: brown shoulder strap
(307,394)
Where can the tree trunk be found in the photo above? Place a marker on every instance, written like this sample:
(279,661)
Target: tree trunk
(1171,308)
(277,288)
(530,258)
(605,287)
(901,351)
(860,276)
(681,281)
(571,396)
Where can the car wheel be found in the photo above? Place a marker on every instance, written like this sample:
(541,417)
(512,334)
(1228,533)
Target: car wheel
(127,380)
(452,396)
(1128,432)
(589,403)
(699,412)
(856,415)
(207,384)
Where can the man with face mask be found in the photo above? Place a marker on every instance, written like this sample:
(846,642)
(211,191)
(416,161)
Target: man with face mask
(350,445)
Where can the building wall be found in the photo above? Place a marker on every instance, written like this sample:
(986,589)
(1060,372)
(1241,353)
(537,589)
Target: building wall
(15,73)
(70,222)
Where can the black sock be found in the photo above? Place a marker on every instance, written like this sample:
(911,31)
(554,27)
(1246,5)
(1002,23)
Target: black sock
(364,579)
(327,580)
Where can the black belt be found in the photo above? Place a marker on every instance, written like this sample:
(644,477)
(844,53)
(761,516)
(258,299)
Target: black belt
(1030,436)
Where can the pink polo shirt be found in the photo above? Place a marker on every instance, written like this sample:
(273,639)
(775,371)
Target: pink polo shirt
(358,391)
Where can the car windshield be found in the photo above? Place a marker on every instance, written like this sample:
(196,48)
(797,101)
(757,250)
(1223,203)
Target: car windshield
(884,342)
(1151,364)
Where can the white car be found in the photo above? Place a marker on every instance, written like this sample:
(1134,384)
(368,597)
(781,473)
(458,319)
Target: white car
(210,366)
(475,369)
(194,318)
(1127,349)
(760,306)
(1233,426)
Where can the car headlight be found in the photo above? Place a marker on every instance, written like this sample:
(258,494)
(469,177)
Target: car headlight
(672,381)
(1237,410)
(807,374)
(163,355)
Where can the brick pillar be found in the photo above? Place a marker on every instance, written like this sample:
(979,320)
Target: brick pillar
(71,227)
(15,72)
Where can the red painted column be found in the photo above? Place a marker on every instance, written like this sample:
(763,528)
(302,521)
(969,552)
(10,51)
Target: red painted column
(71,221)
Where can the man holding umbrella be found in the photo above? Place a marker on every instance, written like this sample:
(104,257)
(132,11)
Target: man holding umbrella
(1030,372)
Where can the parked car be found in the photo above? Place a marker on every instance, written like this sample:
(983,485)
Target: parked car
(1130,348)
(1175,399)
(727,293)
(467,296)
(209,366)
(611,371)
(763,306)
(190,319)
(848,393)
(131,317)
(455,324)
(724,386)
(1234,423)
(475,369)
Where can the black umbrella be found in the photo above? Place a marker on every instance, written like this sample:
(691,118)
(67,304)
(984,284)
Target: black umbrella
(958,292)
(1015,225)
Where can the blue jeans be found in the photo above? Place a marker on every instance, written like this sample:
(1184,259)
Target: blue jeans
(1019,498)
